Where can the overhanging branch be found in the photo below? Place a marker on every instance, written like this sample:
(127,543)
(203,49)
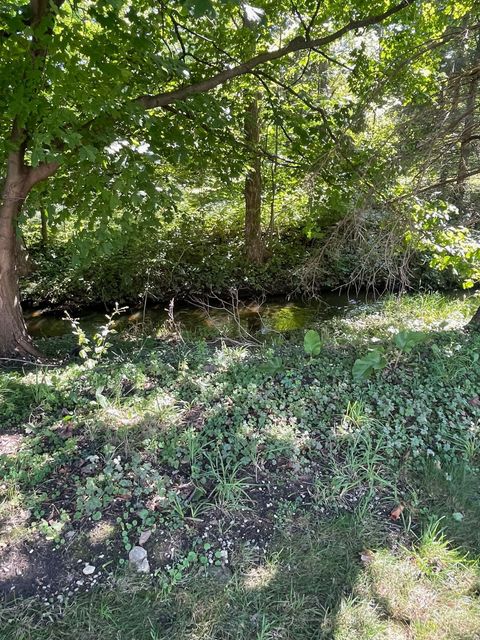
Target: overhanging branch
(297,44)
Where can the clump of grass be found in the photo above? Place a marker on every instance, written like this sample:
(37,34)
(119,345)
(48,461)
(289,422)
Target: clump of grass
(428,593)
(230,488)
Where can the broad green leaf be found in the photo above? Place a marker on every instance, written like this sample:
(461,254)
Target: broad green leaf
(406,340)
(364,367)
(312,343)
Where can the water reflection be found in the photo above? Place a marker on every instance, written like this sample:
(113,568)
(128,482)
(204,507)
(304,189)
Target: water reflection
(276,314)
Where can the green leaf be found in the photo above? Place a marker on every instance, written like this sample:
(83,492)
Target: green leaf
(364,367)
(457,516)
(101,399)
(406,340)
(312,343)
(271,367)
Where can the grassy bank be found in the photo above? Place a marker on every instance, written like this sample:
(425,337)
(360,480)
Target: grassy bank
(278,493)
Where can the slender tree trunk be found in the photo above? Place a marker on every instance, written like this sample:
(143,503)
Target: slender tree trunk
(22,260)
(14,339)
(254,243)
(273,174)
(468,125)
(44,221)
(468,128)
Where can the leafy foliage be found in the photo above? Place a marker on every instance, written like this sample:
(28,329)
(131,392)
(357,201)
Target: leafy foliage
(407,340)
(312,343)
(363,368)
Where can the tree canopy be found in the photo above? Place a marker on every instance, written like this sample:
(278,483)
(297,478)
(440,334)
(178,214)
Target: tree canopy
(120,106)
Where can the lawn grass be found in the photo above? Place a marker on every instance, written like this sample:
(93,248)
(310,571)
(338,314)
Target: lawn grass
(264,479)
(338,579)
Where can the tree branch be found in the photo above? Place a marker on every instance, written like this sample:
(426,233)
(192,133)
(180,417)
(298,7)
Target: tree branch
(297,44)
(32,14)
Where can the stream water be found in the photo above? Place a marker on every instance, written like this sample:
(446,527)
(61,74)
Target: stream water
(278,314)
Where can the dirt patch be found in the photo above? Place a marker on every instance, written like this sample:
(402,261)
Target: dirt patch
(53,570)
(10,444)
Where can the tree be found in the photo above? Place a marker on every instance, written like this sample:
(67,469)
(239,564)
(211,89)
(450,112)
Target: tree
(254,244)
(77,78)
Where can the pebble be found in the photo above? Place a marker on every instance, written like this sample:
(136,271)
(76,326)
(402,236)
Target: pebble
(88,569)
(138,559)
(144,536)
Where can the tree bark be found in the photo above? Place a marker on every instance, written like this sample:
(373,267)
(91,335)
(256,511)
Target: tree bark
(468,126)
(20,179)
(14,339)
(254,244)
(474,322)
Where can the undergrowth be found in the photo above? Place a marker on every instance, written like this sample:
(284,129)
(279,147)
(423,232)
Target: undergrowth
(279,494)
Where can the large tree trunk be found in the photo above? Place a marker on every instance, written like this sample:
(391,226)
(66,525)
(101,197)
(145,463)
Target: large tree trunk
(254,243)
(475,320)
(14,339)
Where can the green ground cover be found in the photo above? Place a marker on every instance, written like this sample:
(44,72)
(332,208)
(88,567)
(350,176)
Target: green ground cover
(281,488)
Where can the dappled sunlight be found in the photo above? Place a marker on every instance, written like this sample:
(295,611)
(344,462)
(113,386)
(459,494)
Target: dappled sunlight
(432,312)
(259,472)
(363,620)
(260,577)
(243,402)
(101,532)
(14,517)
(399,596)
(291,317)
(10,443)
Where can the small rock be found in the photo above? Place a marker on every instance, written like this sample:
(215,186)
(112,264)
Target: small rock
(210,368)
(144,536)
(224,555)
(221,574)
(88,569)
(137,554)
(138,559)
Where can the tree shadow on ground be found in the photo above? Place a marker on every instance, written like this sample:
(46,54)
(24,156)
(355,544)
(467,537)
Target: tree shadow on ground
(298,589)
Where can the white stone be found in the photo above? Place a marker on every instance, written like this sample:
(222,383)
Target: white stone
(138,559)
(88,569)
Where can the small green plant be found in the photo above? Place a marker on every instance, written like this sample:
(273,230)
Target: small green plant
(355,418)
(312,343)
(94,348)
(407,340)
(271,367)
(363,368)
(230,489)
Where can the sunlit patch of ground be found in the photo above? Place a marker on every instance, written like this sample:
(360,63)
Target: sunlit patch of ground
(10,443)
(429,593)
(261,482)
